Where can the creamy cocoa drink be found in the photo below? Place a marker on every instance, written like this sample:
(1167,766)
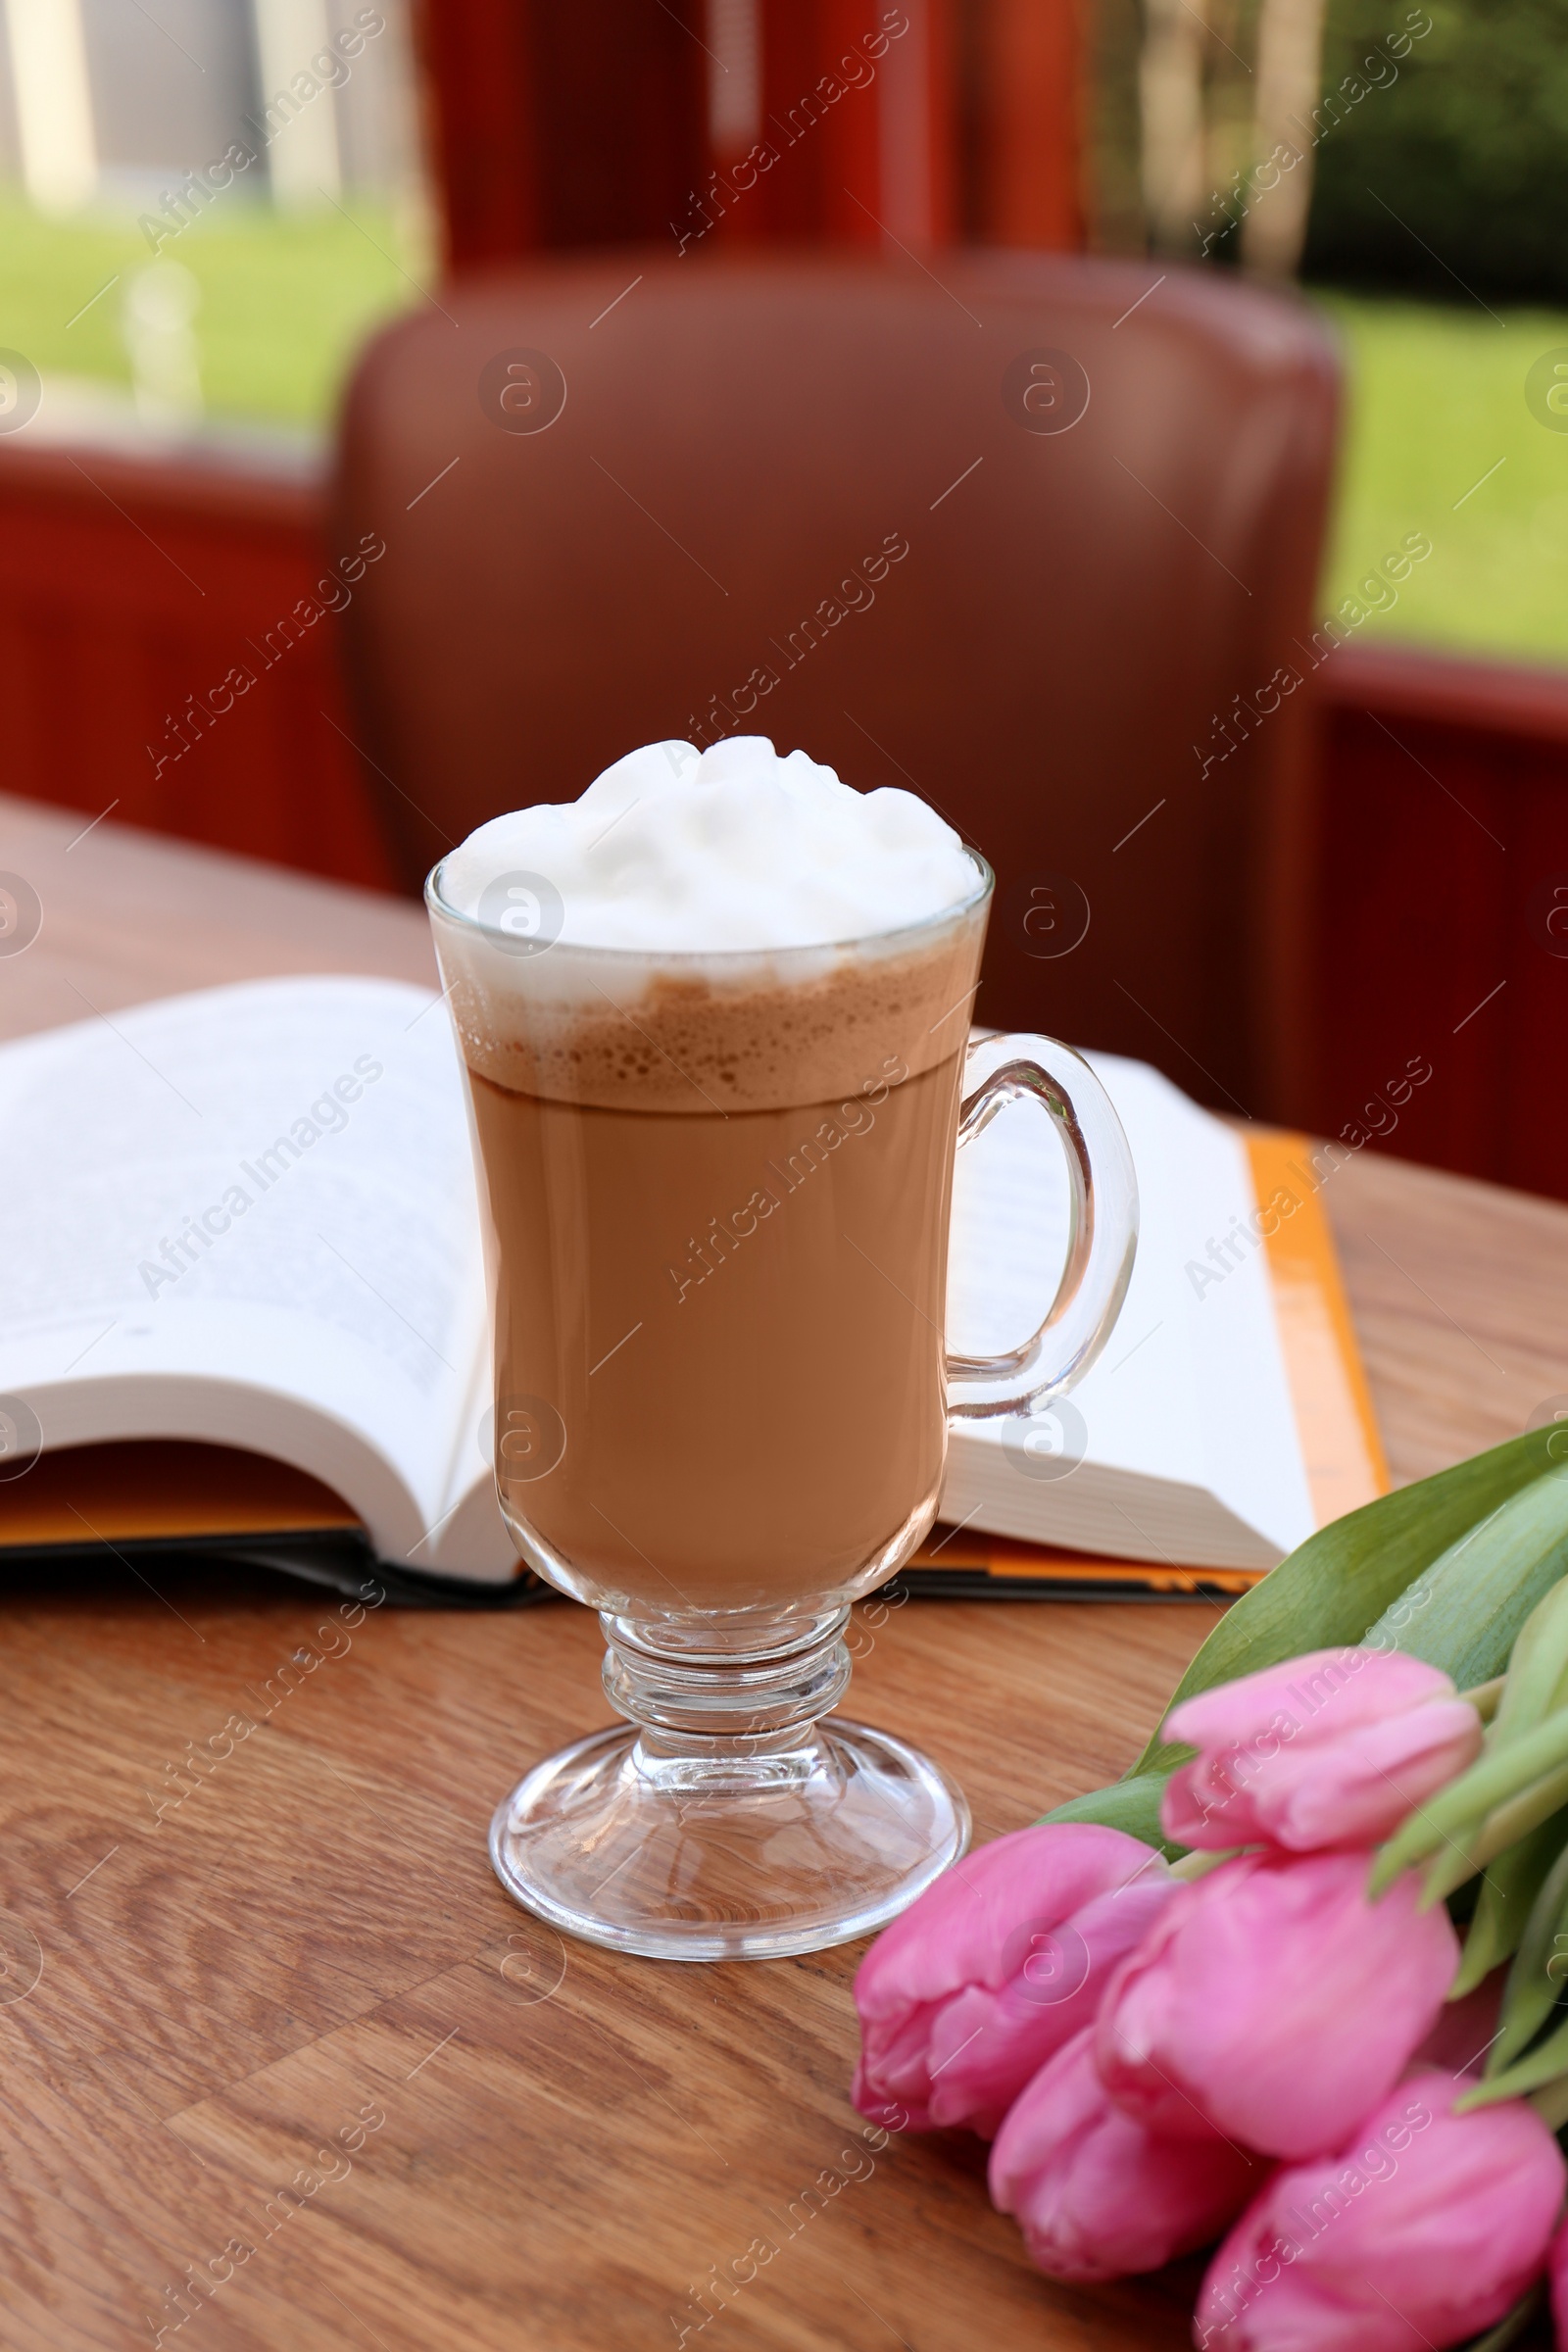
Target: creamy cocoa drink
(713,1016)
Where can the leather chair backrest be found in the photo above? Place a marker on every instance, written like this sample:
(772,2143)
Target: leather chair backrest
(1016,531)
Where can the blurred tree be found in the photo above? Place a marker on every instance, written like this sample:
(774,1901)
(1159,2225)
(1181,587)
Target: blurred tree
(1289,73)
(1197,100)
(1170,82)
(1455,175)
(1113,129)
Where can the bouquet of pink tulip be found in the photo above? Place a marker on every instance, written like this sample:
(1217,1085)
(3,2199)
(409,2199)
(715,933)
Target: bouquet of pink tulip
(1294,1984)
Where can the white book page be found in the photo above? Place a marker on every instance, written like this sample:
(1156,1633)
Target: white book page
(1253,1448)
(248,1213)
(1181,1397)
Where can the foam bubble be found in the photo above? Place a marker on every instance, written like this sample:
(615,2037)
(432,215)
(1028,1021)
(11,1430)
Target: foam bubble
(677,851)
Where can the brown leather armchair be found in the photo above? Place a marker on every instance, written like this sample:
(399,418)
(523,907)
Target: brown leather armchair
(1037,536)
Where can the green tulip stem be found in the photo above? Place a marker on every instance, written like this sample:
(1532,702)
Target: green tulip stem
(1501,1829)
(1504,1904)
(1198,1864)
(1521,1814)
(1536,1977)
(1551,2104)
(1448,1871)
(1537,1665)
(1548,2064)
(1484,1696)
(1501,1774)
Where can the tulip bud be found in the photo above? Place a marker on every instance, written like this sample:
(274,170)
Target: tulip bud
(1094,2195)
(1003,1959)
(1419,2229)
(1273,2003)
(1333,1748)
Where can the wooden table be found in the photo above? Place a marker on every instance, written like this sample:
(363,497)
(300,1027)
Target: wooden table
(570,2140)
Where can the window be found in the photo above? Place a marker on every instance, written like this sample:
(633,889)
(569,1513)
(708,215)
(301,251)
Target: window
(204,206)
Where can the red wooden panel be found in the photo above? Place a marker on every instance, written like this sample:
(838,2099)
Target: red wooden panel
(1443,828)
(157,651)
(1537,1110)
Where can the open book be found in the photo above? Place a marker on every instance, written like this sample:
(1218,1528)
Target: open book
(245,1220)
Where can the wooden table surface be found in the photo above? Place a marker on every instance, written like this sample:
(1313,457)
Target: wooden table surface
(307,1976)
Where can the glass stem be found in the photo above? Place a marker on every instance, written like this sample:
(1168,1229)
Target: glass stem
(735,1713)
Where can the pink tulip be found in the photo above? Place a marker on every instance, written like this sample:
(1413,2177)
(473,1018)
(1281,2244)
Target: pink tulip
(1094,2195)
(1423,2228)
(994,1966)
(1273,2003)
(1334,1749)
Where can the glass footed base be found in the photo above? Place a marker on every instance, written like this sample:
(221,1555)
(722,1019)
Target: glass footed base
(683,1860)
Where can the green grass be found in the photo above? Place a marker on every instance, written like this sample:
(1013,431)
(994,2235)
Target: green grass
(285,300)
(1436,399)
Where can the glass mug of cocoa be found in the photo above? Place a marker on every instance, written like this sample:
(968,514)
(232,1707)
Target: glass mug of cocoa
(714,1182)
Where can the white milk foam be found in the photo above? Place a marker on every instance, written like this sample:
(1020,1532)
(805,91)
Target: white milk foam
(677,851)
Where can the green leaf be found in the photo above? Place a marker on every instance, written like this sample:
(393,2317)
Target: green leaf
(1507,1896)
(1346,1580)
(1466,1611)
(1132,1805)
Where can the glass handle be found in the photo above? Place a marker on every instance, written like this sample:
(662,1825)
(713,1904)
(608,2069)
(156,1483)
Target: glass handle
(1102,1229)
